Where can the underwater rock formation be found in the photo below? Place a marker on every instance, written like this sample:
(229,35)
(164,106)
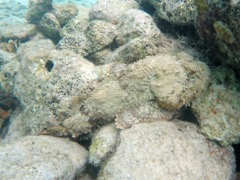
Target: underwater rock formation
(50,26)
(136,23)
(111,10)
(175,149)
(103,144)
(19,33)
(65,12)
(37,8)
(96,36)
(217,23)
(218,109)
(42,157)
(177,12)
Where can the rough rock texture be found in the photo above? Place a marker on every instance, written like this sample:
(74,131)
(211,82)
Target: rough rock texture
(37,8)
(50,85)
(105,102)
(76,42)
(218,110)
(136,23)
(50,26)
(100,34)
(173,80)
(111,10)
(175,150)
(97,36)
(134,50)
(103,143)
(65,12)
(20,32)
(175,11)
(73,26)
(8,68)
(42,157)
(164,81)
(144,113)
(218,25)
(101,57)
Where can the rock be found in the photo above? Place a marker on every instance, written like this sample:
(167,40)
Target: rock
(37,8)
(217,23)
(75,42)
(101,57)
(42,157)
(65,12)
(103,144)
(176,12)
(104,102)
(175,149)
(134,50)
(100,34)
(163,81)
(111,10)
(97,36)
(136,23)
(77,125)
(50,26)
(173,80)
(51,85)
(218,109)
(8,67)
(19,32)
(74,26)
(140,114)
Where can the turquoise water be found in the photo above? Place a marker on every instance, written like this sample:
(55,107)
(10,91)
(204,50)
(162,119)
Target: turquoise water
(14,11)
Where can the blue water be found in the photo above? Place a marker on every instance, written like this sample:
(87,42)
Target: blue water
(14,11)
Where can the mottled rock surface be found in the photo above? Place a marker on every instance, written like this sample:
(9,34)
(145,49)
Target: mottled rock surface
(65,12)
(50,26)
(111,10)
(42,157)
(103,144)
(37,8)
(175,149)
(21,32)
(218,109)
(175,11)
(136,23)
(134,50)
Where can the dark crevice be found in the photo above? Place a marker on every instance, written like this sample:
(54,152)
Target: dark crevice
(186,114)
(49,65)
(236,148)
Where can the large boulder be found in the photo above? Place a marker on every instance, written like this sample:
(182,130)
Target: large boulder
(175,149)
(42,157)
(37,8)
(96,36)
(20,32)
(111,10)
(175,11)
(136,23)
(218,109)
(65,12)
(50,26)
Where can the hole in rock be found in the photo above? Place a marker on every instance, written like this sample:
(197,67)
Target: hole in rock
(49,65)
(92,171)
(186,114)
(236,148)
